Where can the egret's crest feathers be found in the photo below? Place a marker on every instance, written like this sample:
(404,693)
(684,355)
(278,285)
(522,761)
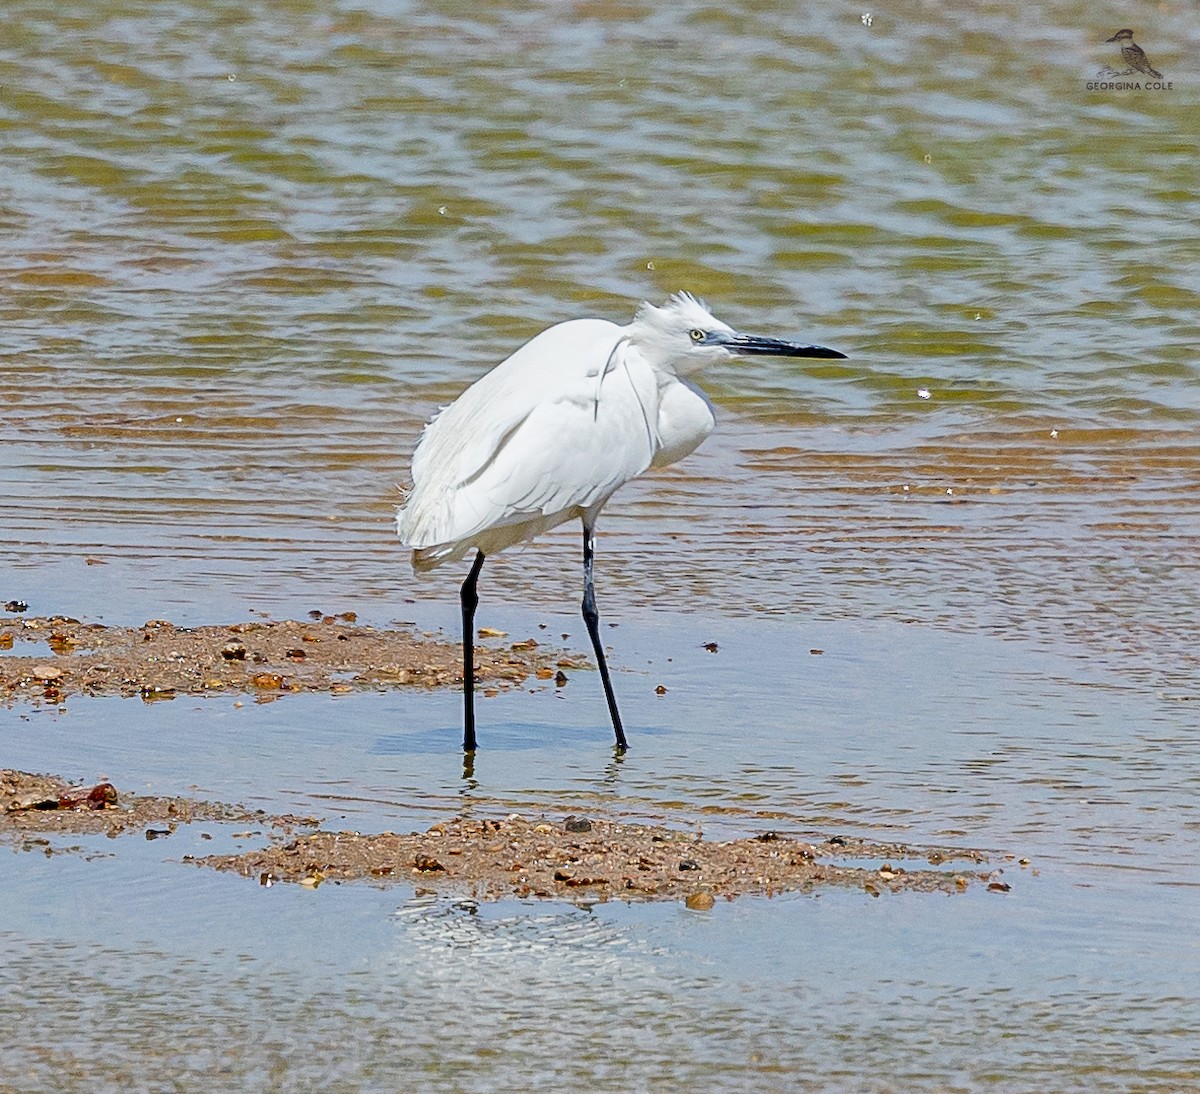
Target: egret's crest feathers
(665,335)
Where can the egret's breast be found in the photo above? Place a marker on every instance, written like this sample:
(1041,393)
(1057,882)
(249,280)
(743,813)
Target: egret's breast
(685,418)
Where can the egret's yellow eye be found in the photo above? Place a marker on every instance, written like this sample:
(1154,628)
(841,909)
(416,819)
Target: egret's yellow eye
(697,335)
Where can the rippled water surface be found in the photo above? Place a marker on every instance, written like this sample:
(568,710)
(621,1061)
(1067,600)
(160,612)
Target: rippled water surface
(247,249)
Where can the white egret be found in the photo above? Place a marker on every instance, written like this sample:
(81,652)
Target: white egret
(552,432)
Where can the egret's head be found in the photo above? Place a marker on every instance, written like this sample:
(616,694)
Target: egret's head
(683,336)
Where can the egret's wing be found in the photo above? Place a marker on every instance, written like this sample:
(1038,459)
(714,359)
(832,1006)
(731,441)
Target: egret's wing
(465,435)
(560,424)
(569,454)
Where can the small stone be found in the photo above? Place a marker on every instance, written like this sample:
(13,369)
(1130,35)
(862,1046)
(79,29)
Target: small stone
(153,692)
(395,674)
(701,901)
(100,796)
(234,651)
(577,824)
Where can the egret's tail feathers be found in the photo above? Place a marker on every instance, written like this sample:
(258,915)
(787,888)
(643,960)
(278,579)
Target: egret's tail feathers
(432,537)
(427,551)
(426,558)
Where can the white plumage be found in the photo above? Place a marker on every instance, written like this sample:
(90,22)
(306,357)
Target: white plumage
(553,431)
(549,434)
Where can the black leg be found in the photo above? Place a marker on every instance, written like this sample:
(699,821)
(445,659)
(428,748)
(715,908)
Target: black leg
(470,601)
(592,618)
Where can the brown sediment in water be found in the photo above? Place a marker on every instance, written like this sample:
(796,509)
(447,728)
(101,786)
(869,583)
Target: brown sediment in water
(570,858)
(41,805)
(592,859)
(265,658)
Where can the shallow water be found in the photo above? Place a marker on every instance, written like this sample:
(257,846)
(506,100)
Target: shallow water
(1085,972)
(246,252)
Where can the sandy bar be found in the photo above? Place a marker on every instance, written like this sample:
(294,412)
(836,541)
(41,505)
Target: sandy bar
(573,858)
(52,658)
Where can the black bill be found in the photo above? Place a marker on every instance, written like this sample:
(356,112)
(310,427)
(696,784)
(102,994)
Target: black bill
(755,345)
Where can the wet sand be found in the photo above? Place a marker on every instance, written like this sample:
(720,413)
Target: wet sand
(573,858)
(266,658)
(579,858)
(33,806)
